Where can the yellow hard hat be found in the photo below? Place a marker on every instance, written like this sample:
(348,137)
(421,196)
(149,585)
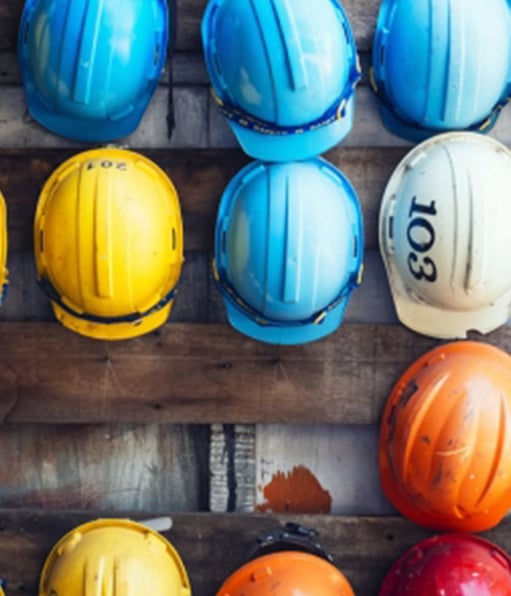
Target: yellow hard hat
(108,241)
(113,557)
(3,250)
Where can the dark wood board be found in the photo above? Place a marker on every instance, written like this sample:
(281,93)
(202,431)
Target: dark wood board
(213,546)
(197,373)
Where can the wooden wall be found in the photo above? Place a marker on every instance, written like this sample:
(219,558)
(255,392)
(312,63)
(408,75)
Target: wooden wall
(196,416)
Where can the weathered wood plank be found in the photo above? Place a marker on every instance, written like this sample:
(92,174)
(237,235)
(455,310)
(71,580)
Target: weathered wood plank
(200,178)
(18,129)
(198,124)
(232,467)
(318,469)
(51,375)
(362,16)
(145,467)
(213,546)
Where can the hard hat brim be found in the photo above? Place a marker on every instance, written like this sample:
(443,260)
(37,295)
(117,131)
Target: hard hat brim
(282,335)
(415,134)
(447,324)
(295,147)
(84,129)
(112,331)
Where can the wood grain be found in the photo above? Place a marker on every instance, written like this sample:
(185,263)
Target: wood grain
(195,373)
(115,467)
(213,546)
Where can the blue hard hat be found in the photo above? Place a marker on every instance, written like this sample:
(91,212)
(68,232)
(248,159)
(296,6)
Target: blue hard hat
(441,65)
(283,72)
(289,242)
(90,67)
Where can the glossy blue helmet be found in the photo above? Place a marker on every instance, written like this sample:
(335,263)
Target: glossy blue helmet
(90,67)
(288,250)
(283,72)
(441,65)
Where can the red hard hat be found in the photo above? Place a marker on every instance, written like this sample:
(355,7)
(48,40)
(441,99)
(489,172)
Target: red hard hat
(450,565)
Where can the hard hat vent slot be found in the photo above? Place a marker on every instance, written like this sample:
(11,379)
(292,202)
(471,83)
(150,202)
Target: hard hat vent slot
(391,227)
(355,246)
(382,55)
(174,241)
(156,54)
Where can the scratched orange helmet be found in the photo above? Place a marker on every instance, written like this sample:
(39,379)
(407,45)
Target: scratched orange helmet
(294,562)
(445,441)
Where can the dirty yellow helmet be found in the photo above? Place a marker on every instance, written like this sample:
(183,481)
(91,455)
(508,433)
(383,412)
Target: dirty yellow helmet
(108,241)
(3,253)
(113,557)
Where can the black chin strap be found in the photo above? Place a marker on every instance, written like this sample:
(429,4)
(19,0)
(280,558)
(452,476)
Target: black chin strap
(293,537)
(171,121)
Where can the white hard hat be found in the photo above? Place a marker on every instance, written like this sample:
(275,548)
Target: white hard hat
(445,235)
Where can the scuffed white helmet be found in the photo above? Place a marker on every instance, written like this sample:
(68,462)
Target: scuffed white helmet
(445,235)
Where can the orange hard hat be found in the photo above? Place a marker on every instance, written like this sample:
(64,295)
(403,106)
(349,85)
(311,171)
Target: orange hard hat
(445,441)
(285,574)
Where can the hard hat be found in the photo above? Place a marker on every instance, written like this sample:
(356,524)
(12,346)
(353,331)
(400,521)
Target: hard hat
(294,572)
(108,242)
(445,447)
(3,250)
(444,235)
(291,560)
(90,68)
(116,557)
(441,65)
(450,565)
(288,250)
(283,73)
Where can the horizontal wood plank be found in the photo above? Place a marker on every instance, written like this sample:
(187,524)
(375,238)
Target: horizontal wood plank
(191,106)
(200,178)
(117,467)
(199,125)
(213,546)
(186,373)
(295,464)
(362,15)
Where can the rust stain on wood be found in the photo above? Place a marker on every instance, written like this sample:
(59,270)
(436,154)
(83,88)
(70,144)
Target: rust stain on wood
(297,491)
